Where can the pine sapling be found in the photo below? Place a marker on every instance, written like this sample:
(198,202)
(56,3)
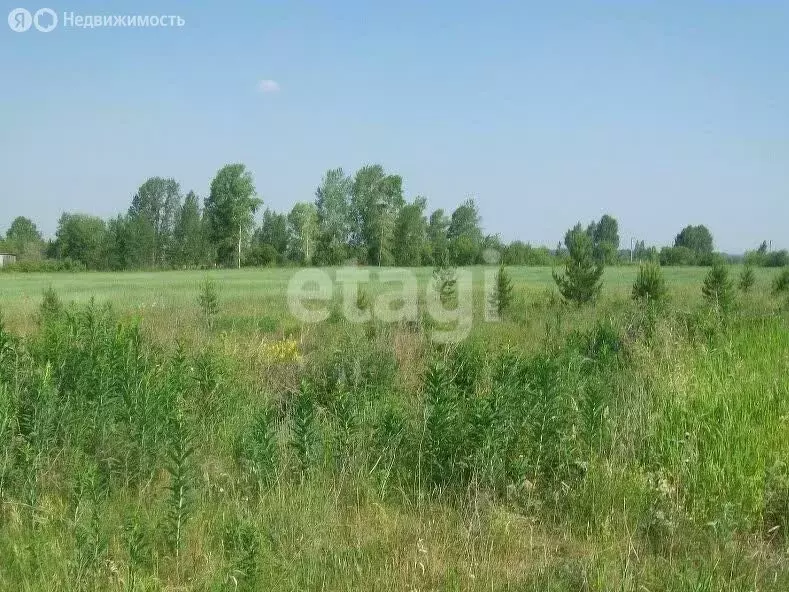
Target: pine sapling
(501,298)
(717,288)
(208,301)
(581,282)
(747,279)
(650,285)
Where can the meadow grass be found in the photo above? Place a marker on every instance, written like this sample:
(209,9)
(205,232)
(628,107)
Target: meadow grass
(614,447)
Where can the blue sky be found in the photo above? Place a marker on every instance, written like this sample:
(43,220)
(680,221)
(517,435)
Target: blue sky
(661,113)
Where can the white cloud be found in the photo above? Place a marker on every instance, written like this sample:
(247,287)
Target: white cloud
(268,86)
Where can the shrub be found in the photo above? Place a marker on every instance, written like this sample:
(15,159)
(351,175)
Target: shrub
(781,281)
(581,282)
(363,299)
(44,266)
(747,279)
(777,259)
(650,285)
(717,288)
(672,256)
(304,433)
(50,306)
(256,451)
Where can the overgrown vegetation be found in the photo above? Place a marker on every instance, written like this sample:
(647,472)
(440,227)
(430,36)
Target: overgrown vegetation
(614,455)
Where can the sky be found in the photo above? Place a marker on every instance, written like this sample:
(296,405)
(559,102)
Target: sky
(662,114)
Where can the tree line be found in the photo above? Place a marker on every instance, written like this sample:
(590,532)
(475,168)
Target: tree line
(364,217)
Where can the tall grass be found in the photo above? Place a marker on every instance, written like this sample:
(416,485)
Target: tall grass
(644,451)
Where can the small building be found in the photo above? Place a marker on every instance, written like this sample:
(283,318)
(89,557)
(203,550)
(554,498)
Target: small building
(7,259)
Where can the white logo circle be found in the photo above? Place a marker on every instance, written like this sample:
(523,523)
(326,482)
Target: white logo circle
(491,256)
(19,20)
(53,19)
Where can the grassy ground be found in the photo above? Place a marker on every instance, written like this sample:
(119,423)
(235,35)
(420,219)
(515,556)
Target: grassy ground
(249,294)
(613,447)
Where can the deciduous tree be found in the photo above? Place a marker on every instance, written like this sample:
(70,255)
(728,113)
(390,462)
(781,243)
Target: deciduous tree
(229,211)
(333,206)
(303,231)
(410,236)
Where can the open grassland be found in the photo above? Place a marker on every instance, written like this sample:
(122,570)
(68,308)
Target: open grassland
(169,298)
(614,447)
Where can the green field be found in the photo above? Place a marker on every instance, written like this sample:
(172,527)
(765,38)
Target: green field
(249,293)
(618,446)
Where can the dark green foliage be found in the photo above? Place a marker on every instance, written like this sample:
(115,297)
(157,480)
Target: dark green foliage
(304,439)
(44,266)
(465,234)
(747,279)
(410,234)
(675,256)
(138,546)
(501,298)
(91,540)
(437,465)
(180,488)
(241,545)
(696,238)
(776,503)
(363,299)
(229,212)
(605,237)
(81,238)
(50,306)
(762,257)
(581,282)
(718,289)
(650,285)
(188,246)
(781,282)
(257,449)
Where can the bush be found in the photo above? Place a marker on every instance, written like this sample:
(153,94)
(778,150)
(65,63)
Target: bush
(50,306)
(262,255)
(650,285)
(671,256)
(781,281)
(777,259)
(44,266)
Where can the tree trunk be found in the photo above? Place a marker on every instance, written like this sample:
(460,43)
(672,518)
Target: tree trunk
(239,245)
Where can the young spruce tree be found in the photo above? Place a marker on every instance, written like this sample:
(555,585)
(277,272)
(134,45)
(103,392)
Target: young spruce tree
(501,298)
(581,282)
(717,288)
